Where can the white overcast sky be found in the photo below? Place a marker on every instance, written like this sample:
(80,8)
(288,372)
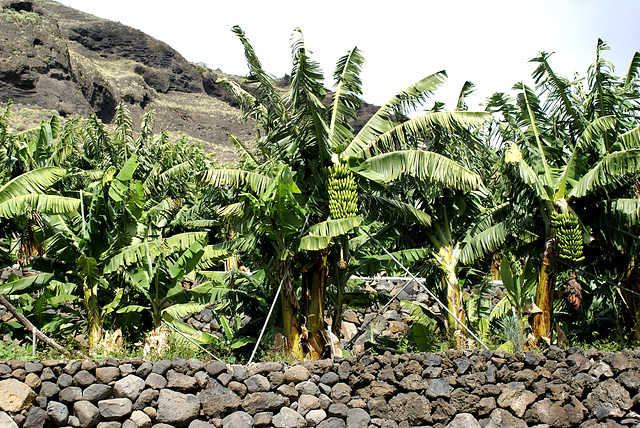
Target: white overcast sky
(488,42)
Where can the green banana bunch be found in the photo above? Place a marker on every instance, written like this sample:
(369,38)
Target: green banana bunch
(569,235)
(343,191)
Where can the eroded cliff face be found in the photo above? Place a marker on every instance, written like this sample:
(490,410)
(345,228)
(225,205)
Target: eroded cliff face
(57,58)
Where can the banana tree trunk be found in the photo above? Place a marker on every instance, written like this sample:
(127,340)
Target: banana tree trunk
(544,293)
(232,262)
(93,318)
(314,283)
(290,318)
(448,256)
(631,281)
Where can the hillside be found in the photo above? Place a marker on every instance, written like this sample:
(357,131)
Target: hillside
(56,59)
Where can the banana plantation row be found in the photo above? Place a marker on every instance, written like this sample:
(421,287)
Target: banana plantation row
(130,232)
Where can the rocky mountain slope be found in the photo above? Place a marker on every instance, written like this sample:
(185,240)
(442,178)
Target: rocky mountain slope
(55,58)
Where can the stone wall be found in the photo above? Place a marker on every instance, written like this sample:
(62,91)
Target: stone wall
(474,388)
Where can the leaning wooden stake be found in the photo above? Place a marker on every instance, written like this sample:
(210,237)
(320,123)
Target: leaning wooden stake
(27,324)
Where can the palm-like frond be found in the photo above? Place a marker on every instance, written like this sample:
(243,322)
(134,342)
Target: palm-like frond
(320,234)
(467,89)
(633,72)
(421,128)
(123,125)
(249,107)
(181,310)
(157,179)
(609,169)
(146,128)
(383,120)
(484,242)
(137,251)
(524,172)
(625,208)
(36,181)
(346,98)
(314,243)
(602,98)
(558,89)
(47,204)
(372,265)
(531,114)
(388,210)
(305,96)
(595,130)
(427,166)
(27,284)
(266,88)
(182,241)
(589,138)
(631,138)
(213,255)
(253,181)
(66,144)
(335,228)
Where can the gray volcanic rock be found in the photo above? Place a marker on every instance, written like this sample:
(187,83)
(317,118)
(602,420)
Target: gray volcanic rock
(115,408)
(238,420)
(608,399)
(288,418)
(58,413)
(88,415)
(58,58)
(96,392)
(128,387)
(263,402)
(218,401)
(464,420)
(176,408)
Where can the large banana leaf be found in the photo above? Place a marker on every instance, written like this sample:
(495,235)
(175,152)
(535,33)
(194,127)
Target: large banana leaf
(427,166)
(383,120)
(36,181)
(305,96)
(320,234)
(27,284)
(314,243)
(626,209)
(524,172)
(180,310)
(334,228)
(214,254)
(631,139)
(188,260)
(391,211)
(346,98)
(136,252)
(197,336)
(158,179)
(249,107)
(373,265)
(47,204)
(484,242)
(609,169)
(420,128)
(257,183)
(266,88)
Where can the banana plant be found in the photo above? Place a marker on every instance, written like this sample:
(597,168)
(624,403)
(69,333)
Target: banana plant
(334,168)
(566,156)
(79,245)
